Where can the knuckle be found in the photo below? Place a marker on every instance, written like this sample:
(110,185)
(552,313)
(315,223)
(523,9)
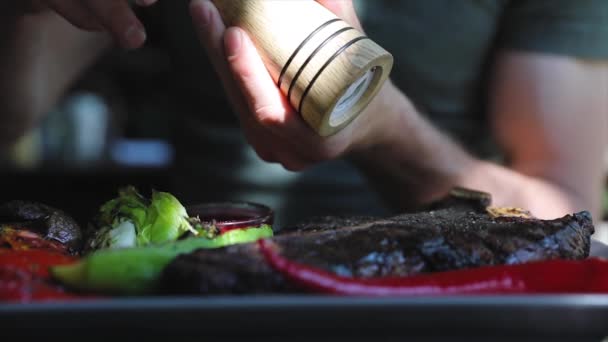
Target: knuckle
(323,155)
(327,152)
(115,15)
(293,165)
(268,116)
(265,155)
(259,148)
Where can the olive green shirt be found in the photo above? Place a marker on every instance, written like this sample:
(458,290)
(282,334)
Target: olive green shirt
(443,52)
(444,49)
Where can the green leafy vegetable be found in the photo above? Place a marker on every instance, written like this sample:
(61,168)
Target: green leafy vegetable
(132,220)
(166,220)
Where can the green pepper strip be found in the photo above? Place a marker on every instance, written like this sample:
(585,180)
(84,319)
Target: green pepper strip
(136,270)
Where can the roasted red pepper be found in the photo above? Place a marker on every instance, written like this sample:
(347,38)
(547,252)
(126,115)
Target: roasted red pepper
(24,275)
(17,285)
(22,239)
(35,262)
(546,277)
(25,258)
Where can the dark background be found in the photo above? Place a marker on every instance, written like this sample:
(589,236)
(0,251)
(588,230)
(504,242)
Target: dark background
(132,85)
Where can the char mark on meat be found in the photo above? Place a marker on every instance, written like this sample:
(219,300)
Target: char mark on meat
(457,233)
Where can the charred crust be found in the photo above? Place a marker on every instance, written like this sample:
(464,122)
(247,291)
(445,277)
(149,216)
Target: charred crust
(50,222)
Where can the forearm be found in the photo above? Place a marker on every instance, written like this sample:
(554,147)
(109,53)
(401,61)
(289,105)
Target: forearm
(415,163)
(41,56)
(543,197)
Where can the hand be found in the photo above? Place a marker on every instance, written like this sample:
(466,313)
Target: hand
(113,16)
(273,128)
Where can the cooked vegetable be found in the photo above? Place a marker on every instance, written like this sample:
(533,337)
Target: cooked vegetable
(135,270)
(22,287)
(51,223)
(25,258)
(33,261)
(540,277)
(17,238)
(131,220)
(166,220)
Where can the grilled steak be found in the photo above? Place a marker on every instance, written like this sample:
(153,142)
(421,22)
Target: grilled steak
(453,234)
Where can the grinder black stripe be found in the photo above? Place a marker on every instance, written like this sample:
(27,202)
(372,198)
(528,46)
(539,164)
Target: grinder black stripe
(329,61)
(299,48)
(312,55)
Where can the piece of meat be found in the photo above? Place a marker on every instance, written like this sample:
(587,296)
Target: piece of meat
(457,233)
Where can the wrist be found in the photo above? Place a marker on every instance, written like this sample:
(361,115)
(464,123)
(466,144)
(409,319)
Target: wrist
(384,124)
(407,149)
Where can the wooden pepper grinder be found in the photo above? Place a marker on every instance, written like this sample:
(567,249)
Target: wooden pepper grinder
(328,70)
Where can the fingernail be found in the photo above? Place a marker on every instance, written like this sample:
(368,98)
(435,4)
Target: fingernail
(135,36)
(199,10)
(234,41)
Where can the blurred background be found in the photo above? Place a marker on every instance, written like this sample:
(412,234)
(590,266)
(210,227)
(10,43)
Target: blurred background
(114,127)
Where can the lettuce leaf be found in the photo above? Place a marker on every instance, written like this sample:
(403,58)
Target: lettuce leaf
(131,220)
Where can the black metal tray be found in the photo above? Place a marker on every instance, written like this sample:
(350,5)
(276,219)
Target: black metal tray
(304,318)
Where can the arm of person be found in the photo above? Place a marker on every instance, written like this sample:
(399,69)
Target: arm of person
(41,56)
(550,115)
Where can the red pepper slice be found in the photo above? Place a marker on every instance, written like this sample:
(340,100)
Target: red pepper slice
(24,275)
(19,286)
(22,239)
(24,265)
(34,261)
(545,277)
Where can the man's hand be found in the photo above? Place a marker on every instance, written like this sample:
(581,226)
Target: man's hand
(271,125)
(113,16)
(553,149)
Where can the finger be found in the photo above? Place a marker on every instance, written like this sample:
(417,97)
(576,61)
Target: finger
(273,148)
(276,150)
(265,101)
(292,164)
(267,143)
(210,30)
(258,140)
(269,107)
(272,106)
(291,161)
(118,18)
(75,13)
(260,143)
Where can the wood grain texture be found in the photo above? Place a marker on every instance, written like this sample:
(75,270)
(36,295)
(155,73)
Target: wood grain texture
(312,55)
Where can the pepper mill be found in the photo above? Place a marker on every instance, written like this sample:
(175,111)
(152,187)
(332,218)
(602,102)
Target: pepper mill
(328,70)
